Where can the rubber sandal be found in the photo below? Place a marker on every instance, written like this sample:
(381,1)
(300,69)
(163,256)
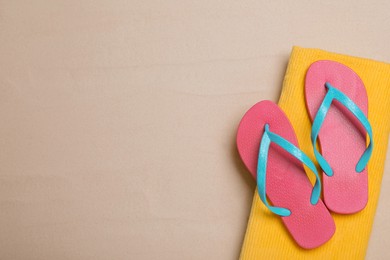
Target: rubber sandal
(277,166)
(337,103)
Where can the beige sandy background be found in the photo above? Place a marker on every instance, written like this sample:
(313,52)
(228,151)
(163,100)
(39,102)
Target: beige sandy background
(118,119)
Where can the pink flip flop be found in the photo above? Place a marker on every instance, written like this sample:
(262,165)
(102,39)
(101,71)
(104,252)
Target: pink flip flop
(285,183)
(341,128)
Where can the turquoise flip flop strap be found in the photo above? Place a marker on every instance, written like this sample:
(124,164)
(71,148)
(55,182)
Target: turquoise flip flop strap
(265,143)
(335,94)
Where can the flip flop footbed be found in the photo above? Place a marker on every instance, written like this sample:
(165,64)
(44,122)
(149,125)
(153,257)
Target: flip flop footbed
(342,138)
(287,184)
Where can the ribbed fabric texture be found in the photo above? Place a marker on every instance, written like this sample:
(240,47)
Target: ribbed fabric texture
(266,237)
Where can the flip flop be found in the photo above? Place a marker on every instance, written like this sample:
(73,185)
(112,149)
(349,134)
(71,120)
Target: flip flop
(341,128)
(277,166)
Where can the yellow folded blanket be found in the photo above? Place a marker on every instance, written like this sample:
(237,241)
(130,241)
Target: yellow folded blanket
(266,237)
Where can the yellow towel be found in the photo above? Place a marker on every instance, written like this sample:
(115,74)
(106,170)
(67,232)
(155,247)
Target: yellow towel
(266,237)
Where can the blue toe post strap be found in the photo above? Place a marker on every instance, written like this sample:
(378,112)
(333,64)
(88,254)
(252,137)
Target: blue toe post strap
(335,94)
(265,143)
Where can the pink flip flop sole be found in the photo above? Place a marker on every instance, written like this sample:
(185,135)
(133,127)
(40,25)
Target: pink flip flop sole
(287,183)
(342,138)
